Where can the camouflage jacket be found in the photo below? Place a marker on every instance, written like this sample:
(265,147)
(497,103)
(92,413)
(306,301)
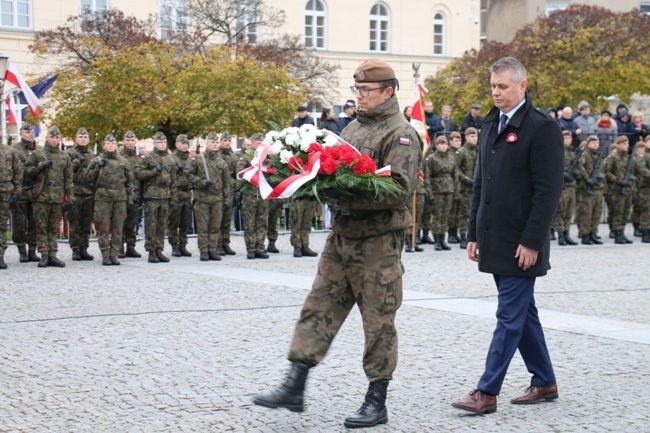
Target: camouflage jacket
(24,150)
(231,160)
(11,171)
(465,163)
(442,170)
(642,170)
(242,185)
(615,168)
(183,184)
(157,185)
(569,156)
(53,183)
(383,134)
(80,157)
(114,181)
(218,173)
(586,167)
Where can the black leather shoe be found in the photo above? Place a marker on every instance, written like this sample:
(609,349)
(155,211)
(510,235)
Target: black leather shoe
(373,410)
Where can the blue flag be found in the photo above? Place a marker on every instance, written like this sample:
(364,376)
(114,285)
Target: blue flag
(39,89)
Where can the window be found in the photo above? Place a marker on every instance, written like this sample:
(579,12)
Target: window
(379,24)
(439,34)
(173,17)
(552,6)
(16,13)
(645,8)
(247,22)
(90,6)
(315,25)
(485,5)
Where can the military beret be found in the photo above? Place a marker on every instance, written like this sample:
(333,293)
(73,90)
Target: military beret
(182,138)
(226,135)
(454,134)
(82,131)
(567,133)
(212,136)
(159,136)
(622,139)
(109,137)
(129,134)
(592,138)
(26,127)
(53,131)
(471,130)
(373,70)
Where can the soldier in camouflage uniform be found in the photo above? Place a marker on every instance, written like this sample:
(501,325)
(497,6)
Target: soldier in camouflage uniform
(229,157)
(210,176)
(420,193)
(275,210)
(361,261)
(81,214)
(566,207)
(112,177)
(157,171)
(442,169)
(53,174)
(254,208)
(589,195)
(618,207)
(132,155)
(301,214)
(453,237)
(465,164)
(180,209)
(427,211)
(24,224)
(642,173)
(11,180)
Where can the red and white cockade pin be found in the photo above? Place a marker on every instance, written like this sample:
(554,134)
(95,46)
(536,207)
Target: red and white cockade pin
(511,138)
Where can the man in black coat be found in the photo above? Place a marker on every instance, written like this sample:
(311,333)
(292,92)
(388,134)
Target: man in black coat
(517,187)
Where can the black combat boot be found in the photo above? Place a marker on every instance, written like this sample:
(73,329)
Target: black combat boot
(618,237)
(418,249)
(407,244)
(552,234)
(307,252)
(463,241)
(228,250)
(561,240)
(131,252)
(646,237)
(163,258)
(451,236)
(106,261)
(22,252)
(568,239)
(426,239)
(637,231)
(250,255)
(595,239)
(53,261)
(43,262)
(437,244)
(441,238)
(121,254)
(373,410)
(153,257)
(114,261)
(297,252)
(31,254)
(214,255)
(3,265)
(290,393)
(76,255)
(204,257)
(625,238)
(84,255)
(184,252)
(220,251)
(418,238)
(272,248)
(261,255)
(586,240)
(176,252)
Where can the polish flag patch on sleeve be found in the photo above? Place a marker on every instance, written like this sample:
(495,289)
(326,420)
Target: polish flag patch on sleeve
(405,141)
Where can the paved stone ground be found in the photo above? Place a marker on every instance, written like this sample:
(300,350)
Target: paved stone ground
(182,347)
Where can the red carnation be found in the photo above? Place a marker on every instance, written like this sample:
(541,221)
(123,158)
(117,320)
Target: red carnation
(348,155)
(365,165)
(331,152)
(315,147)
(296,164)
(328,166)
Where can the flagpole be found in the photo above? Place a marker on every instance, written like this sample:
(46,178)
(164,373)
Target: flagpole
(414,228)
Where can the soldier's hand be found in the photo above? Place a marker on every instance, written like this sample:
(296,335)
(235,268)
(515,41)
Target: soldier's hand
(101,163)
(14,199)
(159,167)
(567,177)
(80,157)
(45,164)
(208,183)
(180,166)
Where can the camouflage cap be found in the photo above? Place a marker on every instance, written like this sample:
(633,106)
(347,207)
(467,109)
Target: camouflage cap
(373,70)
(53,131)
(110,137)
(182,138)
(82,131)
(26,127)
(212,136)
(129,134)
(159,136)
(226,135)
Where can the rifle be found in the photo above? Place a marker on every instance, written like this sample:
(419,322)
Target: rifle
(626,183)
(572,171)
(596,176)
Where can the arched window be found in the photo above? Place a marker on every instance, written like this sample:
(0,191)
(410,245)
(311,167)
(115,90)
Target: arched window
(439,34)
(379,28)
(315,20)
(173,17)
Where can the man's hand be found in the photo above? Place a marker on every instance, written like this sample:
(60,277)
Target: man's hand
(207,183)
(527,257)
(472,251)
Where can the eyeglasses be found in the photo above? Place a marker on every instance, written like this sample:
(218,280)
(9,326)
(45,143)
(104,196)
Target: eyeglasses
(363,91)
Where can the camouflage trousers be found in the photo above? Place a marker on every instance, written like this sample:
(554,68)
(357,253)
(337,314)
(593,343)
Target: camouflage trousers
(618,207)
(366,272)
(155,222)
(588,210)
(4,216)
(208,225)
(110,216)
(48,218)
(24,224)
(427,215)
(643,207)
(453,211)
(419,209)
(80,217)
(301,213)
(226,225)
(565,208)
(255,215)
(464,208)
(180,219)
(275,210)
(128,229)
(441,212)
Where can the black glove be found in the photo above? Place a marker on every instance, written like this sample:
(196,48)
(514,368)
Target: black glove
(428,200)
(14,199)
(45,164)
(624,184)
(208,183)
(567,177)
(80,157)
(591,183)
(180,166)
(159,167)
(67,206)
(101,163)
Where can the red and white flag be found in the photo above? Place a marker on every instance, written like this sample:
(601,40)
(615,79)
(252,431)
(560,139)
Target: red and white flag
(13,76)
(417,116)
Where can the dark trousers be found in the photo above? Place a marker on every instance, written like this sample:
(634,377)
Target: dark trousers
(518,327)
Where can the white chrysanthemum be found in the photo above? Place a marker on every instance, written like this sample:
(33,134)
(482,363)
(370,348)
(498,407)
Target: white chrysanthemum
(306,140)
(307,128)
(330,140)
(285,156)
(271,136)
(289,131)
(319,132)
(276,147)
(292,139)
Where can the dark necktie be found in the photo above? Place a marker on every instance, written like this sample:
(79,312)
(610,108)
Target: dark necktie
(502,124)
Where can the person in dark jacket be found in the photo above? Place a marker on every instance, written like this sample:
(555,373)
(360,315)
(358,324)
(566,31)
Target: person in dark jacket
(328,121)
(517,187)
(348,115)
(302,117)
